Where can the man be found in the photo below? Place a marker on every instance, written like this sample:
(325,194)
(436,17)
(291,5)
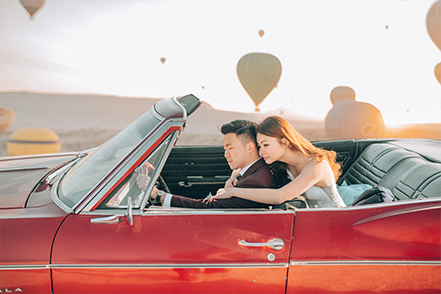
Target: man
(241,153)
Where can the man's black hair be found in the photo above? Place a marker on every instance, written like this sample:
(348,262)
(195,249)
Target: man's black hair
(245,129)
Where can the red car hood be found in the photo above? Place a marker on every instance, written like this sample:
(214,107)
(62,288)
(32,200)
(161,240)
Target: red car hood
(19,176)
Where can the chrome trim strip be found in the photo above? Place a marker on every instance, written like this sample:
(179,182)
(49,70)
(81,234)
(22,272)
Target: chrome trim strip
(51,176)
(170,266)
(24,266)
(33,142)
(173,137)
(7,169)
(222,265)
(157,115)
(146,266)
(90,196)
(367,262)
(127,162)
(170,211)
(374,206)
(394,213)
(159,210)
(57,200)
(184,111)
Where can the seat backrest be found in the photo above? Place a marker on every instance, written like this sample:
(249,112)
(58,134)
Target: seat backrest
(377,165)
(422,181)
(407,174)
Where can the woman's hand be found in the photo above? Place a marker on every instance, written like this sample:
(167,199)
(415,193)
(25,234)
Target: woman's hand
(142,181)
(232,181)
(222,194)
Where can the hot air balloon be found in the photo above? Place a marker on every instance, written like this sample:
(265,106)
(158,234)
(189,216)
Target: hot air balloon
(33,140)
(433,23)
(261,33)
(341,93)
(163,60)
(437,71)
(351,119)
(7,117)
(32,6)
(259,74)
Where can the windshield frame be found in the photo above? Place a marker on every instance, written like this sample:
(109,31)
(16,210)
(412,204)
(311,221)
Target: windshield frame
(175,113)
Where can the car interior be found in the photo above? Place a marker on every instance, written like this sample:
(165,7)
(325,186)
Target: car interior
(409,169)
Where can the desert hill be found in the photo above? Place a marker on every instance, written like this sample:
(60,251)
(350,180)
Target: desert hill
(86,121)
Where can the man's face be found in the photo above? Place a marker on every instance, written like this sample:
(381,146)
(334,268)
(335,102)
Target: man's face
(235,151)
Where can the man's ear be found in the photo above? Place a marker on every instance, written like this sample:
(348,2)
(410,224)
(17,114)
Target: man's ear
(250,147)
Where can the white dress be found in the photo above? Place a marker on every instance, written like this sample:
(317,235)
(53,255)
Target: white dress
(321,197)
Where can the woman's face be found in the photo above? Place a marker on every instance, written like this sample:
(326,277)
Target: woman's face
(271,149)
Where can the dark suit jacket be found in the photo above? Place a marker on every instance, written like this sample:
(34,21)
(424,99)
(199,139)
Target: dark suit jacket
(257,176)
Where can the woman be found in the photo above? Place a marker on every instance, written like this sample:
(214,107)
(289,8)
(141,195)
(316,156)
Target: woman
(313,171)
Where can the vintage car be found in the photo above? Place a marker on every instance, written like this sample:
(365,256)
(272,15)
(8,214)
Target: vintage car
(77,223)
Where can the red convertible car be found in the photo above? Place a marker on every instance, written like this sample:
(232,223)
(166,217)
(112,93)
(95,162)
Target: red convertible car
(77,223)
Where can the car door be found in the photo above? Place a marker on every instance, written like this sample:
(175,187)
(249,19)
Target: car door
(174,250)
(393,248)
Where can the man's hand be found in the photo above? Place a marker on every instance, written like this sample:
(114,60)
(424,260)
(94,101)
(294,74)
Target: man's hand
(154,193)
(232,181)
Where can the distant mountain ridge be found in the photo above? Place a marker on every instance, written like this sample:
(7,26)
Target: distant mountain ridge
(84,121)
(83,111)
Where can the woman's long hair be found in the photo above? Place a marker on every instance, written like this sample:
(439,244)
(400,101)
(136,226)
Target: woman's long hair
(278,127)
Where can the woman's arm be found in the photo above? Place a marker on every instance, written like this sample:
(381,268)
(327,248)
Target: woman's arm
(311,174)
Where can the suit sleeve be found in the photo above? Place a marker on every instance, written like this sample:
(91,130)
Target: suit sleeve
(261,178)
(233,202)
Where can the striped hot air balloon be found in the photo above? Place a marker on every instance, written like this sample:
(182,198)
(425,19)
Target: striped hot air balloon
(33,140)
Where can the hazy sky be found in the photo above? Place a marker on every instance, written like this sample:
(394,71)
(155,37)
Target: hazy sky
(380,48)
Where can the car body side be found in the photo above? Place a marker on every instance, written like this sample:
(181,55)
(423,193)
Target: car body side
(90,248)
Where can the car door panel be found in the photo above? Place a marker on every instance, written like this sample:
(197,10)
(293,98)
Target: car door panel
(170,280)
(25,279)
(359,277)
(185,247)
(25,257)
(379,248)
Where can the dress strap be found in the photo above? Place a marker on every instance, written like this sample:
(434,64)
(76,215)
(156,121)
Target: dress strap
(310,158)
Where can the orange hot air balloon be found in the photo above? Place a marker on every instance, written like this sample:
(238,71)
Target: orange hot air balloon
(341,93)
(261,33)
(259,74)
(437,71)
(7,117)
(32,6)
(433,23)
(163,60)
(352,119)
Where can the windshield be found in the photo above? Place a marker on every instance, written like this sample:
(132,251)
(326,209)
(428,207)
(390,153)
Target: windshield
(88,171)
(118,199)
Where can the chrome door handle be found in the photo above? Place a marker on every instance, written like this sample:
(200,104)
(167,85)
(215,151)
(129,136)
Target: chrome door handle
(113,219)
(276,244)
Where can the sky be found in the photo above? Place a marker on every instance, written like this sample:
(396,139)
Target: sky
(380,48)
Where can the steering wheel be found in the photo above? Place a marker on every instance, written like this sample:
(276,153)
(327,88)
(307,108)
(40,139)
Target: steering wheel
(160,185)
